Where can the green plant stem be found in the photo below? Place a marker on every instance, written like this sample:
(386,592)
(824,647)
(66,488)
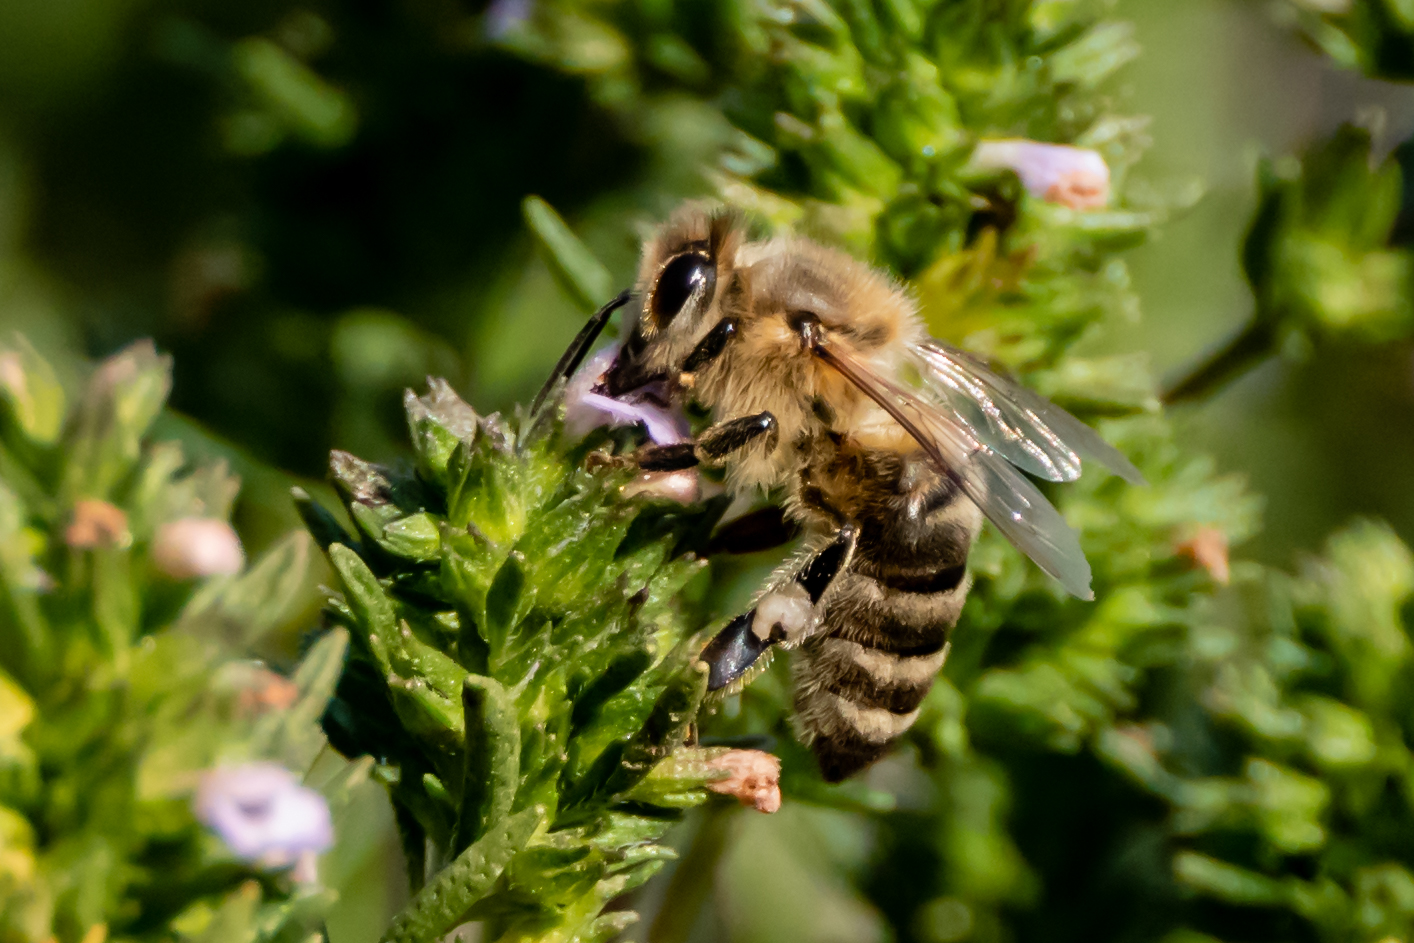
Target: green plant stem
(1246,349)
(694,876)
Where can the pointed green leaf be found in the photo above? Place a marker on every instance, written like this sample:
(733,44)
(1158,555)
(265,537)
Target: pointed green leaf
(573,264)
(492,758)
(439,906)
(243,609)
(31,391)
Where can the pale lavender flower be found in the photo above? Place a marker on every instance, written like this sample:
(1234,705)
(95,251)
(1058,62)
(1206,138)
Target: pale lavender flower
(197,546)
(586,410)
(266,817)
(1076,177)
(504,17)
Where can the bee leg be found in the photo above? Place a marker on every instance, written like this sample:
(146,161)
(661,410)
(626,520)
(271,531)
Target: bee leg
(721,440)
(784,615)
(752,533)
(708,349)
(715,444)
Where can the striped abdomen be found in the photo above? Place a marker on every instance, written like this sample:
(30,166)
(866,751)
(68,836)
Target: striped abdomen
(860,680)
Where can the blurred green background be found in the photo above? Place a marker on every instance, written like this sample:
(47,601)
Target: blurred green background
(315,205)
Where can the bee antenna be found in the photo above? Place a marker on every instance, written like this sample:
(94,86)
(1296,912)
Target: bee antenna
(574,355)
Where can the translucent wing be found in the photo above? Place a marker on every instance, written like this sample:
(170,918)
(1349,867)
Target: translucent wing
(1028,430)
(1007,498)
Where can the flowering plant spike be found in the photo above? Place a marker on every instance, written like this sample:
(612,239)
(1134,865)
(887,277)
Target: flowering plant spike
(149,771)
(521,665)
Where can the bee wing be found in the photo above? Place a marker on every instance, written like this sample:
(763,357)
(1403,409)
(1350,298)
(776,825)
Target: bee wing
(1028,430)
(1007,498)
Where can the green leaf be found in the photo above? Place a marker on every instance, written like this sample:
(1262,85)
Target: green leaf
(584,276)
(439,906)
(122,399)
(308,105)
(244,609)
(370,606)
(492,758)
(620,767)
(31,391)
(415,537)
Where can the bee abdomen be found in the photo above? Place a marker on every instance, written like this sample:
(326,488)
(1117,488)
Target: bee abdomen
(876,679)
(860,684)
(861,681)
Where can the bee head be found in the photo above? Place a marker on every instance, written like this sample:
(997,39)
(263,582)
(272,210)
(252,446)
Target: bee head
(677,292)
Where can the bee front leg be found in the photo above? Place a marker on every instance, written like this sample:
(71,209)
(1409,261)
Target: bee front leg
(787,613)
(710,448)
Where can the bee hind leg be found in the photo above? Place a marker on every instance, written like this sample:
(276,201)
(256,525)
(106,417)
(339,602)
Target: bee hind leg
(786,614)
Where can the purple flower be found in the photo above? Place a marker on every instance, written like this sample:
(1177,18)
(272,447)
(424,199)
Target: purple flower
(1076,177)
(586,410)
(265,816)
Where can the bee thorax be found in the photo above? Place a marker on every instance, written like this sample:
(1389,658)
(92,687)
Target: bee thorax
(784,615)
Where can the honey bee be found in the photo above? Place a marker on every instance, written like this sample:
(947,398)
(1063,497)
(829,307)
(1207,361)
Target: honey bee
(890,449)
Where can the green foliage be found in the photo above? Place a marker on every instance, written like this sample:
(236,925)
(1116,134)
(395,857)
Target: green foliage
(1320,259)
(520,663)
(120,685)
(1318,256)
(1182,760)
(1305,674)
(1374,36)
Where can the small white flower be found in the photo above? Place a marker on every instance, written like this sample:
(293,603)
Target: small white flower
(197,546)
(1076,177)
(266,817)
(586,410)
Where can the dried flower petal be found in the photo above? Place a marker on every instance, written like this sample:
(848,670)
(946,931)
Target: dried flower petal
(1208,548)
(586,410)
(754,777)
(265,816)
(1076,177)
(97,524)
(262,690)
(197,546)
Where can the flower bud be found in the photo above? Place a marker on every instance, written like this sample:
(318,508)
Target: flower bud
(197,546)
(1207,547)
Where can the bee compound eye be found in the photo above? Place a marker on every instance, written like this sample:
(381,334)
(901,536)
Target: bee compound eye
(679,280)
